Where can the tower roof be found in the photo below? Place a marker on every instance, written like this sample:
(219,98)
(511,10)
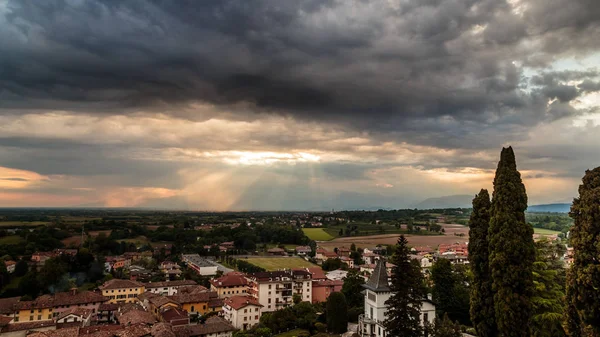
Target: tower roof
(379,279)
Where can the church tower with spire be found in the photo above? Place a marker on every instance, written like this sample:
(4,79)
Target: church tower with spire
(377,292)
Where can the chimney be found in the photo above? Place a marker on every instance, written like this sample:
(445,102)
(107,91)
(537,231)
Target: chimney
(73,291)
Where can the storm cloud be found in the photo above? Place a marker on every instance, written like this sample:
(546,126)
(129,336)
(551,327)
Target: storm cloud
(131,90)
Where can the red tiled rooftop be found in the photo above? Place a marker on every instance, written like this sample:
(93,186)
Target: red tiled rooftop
(238,302)
(120,284)
(229,280)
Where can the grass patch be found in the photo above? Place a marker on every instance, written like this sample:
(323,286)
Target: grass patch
(317,234)
(22,223)
(544,231)
(11,240)
(294,333)
(277,263)
(138,240)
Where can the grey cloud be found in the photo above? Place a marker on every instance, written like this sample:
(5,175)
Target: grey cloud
(14,179)
(589,86)
(367,65)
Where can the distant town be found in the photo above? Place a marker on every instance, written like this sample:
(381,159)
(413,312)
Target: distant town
(137,272)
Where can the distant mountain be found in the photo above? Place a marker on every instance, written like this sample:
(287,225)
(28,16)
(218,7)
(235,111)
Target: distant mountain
(549,208)
(449,201)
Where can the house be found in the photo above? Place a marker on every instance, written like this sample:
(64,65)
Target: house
(377,292)
(370,268)
(319,254)
(199,264)
(10,266)
(231,284)
(276,251)
(243,312)
(171,270)
(122,291)
(337,274)
(316,272)
(106,313)
(454,258)
(139,273)
(22,329)
(274,290)
(198,300)
(7,305)
(155,303)
(348,261)
(379,250)
(343,251)
(213,327)
(40,258)
(64,251)
(116,262)
(81,316)
(322,288)
(160,248)
(133,313)
(174,316)
(370,258)
(168,288)
(303,250)
(47,307)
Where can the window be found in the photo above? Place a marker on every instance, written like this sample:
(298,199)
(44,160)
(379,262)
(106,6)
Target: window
(269,286)
(426,317)
(269,293)
(39,310)
(269,302)
(269,306)
(193,308)
(31,318)
(371,312)
(256,317)
(245,311)
(49,316)
(32,311)
(245,319)
(16,318)
(255,309)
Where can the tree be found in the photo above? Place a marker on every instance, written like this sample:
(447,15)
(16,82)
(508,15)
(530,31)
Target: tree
(482,297)
(331,264)
(352,289)
(337,313)
(404,306)
(512,251)
(445,328)
(450,292)
(585,234)
(548,297)
(21,268)
(297,298)
(51,274)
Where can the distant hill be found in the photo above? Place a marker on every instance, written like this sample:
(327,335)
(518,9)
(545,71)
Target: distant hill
(449,201)
(549,208)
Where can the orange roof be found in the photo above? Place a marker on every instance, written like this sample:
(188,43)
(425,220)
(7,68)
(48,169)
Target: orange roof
(238,302)
(229,280)
(120,284)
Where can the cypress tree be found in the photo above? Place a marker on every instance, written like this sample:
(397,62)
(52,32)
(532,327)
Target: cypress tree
(584,278)
(404,313)
(337,313)
(512,251)
(482,297)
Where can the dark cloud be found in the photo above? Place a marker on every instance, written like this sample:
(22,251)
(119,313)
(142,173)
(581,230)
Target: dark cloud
(369,65)
(14,179)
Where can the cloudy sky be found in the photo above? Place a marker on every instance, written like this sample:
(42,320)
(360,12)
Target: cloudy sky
(303,104)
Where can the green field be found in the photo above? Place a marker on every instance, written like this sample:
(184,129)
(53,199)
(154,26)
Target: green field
(294,333)
(21,223)
(277,263)
(138,241)
(544,231)
(317,234)
(11,240)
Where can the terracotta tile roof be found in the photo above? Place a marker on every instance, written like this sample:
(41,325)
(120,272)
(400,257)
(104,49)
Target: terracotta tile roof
(28,326)
(215,303)
(120,284)
(213,325)
(191,289)
(126,307)
(317,273)
(64,332)
(7,305)
(162,330)
(272,275)
(238,302)
(81,312)
(327,283)
(99,330)
(177,283)
(108,307)
(172,315)
(230,280)
(136,330)
(194,297)
(4,320)
(136,317)
(156,299)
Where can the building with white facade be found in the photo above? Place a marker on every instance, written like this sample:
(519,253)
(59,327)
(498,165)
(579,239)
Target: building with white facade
(377,292)
(168,288)
(199,264)
(243,312)
(275,290)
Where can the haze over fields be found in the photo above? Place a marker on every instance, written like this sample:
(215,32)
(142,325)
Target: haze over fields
(293,105)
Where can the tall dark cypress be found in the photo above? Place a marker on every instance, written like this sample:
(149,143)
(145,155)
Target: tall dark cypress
(404,313)
(584,277)
(512,251)
(482,297)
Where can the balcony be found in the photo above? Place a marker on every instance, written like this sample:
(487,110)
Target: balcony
(366,326)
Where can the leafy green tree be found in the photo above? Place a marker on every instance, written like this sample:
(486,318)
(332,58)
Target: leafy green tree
(449,291)
(332,264)
(548,297)
(51,274)
(29,285)
(352,289)
(21,268)
(445,328)
(512,251)
(404,313)
(482,297)
(296,298)
(585,272)
(337,313)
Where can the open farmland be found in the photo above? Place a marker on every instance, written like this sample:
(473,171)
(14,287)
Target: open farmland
(22,223)
(413,239)
(276,263)
(75,240)
(317,234)
(11,240)
(543,231)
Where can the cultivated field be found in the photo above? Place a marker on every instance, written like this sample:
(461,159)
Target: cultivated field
(138,241)
(543,231)
(75,240)
(276,263)
(22,223)
(413,240)
(317,234)
(11,240)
